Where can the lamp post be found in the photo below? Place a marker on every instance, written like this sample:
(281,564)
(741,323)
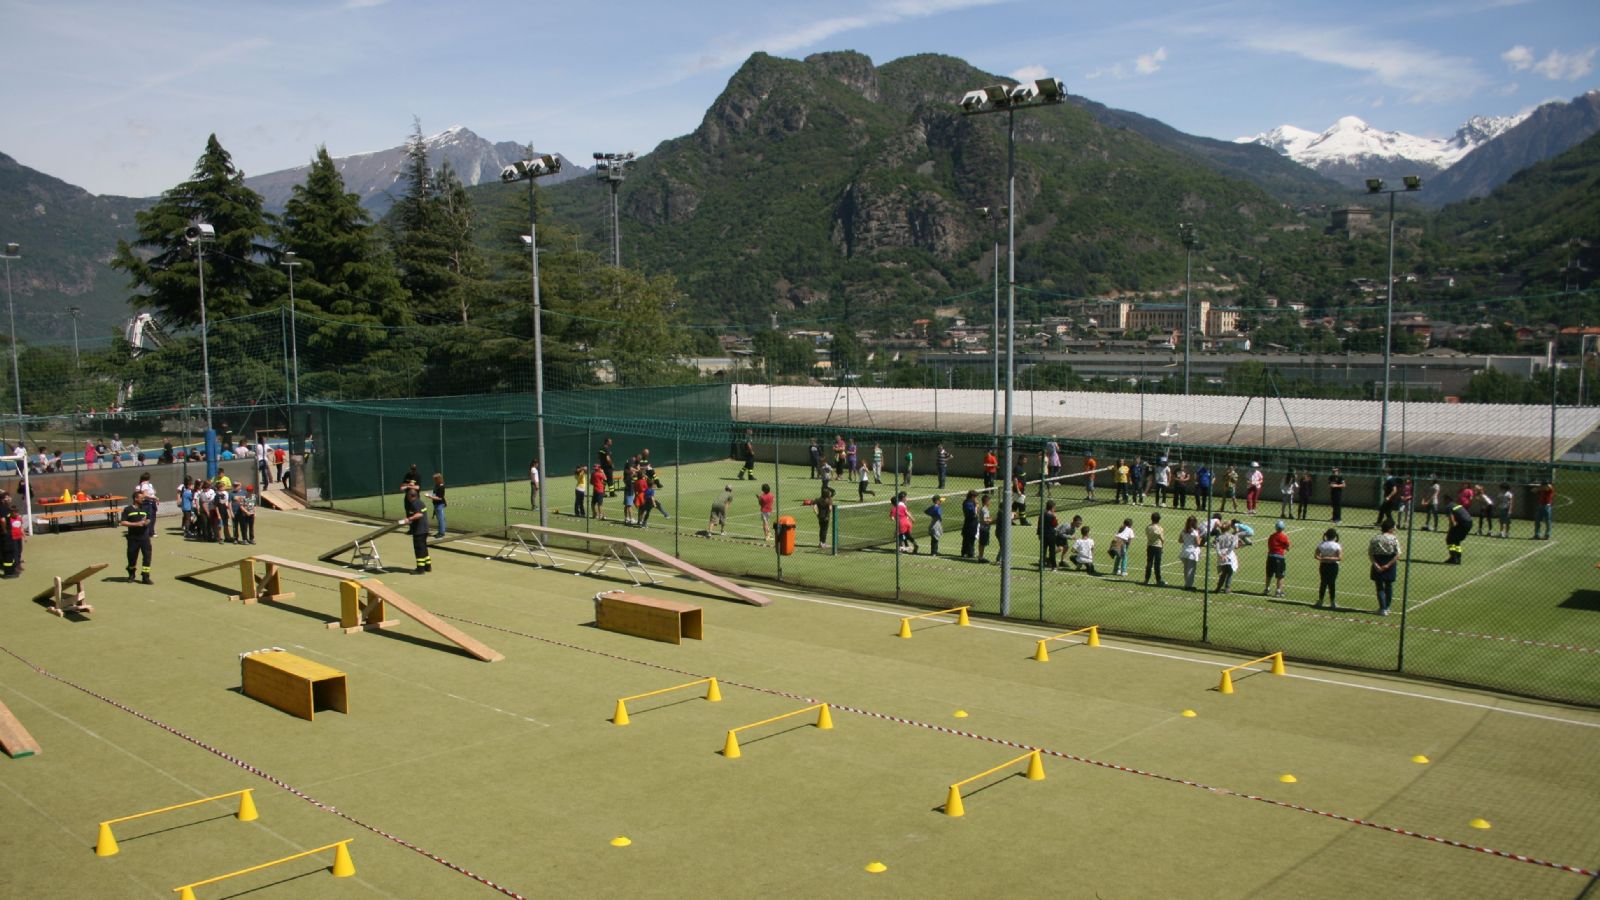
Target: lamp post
(1187,235)
(199,234)
(76,312)
(528,170)
(993,219)
(612,168)
(993,99)
(1375,186)
(290,263)
(14,251)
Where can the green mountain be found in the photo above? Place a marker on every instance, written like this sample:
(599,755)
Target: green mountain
(67,237)
(829,186)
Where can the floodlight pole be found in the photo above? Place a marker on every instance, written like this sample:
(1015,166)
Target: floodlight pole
(1186,234)
(14,251)
(1375,186)
(530,170)
(289,262)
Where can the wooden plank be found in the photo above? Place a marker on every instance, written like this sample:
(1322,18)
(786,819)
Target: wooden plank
(49,593)
(367,538)
(428,620)
(310,568)
(666,559)
(14,739)
(230,564)
(281,500)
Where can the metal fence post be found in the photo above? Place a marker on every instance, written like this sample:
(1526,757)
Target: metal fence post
(777,498)
(1405,583)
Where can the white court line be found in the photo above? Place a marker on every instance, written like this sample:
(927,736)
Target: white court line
(1036,633)
(1540,549)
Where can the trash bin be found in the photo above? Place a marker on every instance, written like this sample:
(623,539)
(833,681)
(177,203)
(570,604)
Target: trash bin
(785,535)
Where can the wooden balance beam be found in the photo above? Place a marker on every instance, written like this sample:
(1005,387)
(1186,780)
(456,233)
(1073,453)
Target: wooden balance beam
(614,548)
(364,549)
(62,585)
(512,542)
(354,614)
(14,739)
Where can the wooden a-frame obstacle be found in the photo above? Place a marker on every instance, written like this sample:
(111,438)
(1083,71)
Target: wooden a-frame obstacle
(14,739)
(629,553)
(514,539)
(74,584)
(364,549)
(355,612)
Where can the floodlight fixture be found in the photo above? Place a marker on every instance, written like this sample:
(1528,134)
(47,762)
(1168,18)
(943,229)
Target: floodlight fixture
(528,170)
(1413,182)
(1375,186)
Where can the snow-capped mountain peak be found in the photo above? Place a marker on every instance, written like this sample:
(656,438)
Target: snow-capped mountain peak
(1351,147)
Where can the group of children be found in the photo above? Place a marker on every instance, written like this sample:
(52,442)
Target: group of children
(637,482)
(217,511)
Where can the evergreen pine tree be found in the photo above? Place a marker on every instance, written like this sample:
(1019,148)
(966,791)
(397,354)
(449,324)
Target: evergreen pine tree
(432,225)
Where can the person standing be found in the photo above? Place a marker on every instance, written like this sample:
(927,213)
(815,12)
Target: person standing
(935,514)
(1052,457)
(1384,552)
(1121,475)
(439,503)
(1328,555)
(263,464)
(116,451)
(985,525)
(1485,511)
(279,457)
(719,511)
(942,458)
(136,527)
(1089,463)
(1048,523)
(903,524)
(877,463)
(969,525)
(607,467)
(1139,480)
(1389,497)
(1155,540)
(1163,479)
(863,479)
(827,474)
(580,487)
(1336,494)
(1277,558)
(533,485)
(1507,502)
(1252,494)
(1286,492)
(599,480)
(1225,545)
(416,521)
(1431,503)
(852,455)
(824,509)
(1121,544)
(1302,491)
(8,546)
(765,502)
(1545,514)
(1189,551)
(245,517)
(19,536)
(991,465)
(907,482)
(1460,527)
(1180,487)
(749,453)
(1230,485)
(816,460)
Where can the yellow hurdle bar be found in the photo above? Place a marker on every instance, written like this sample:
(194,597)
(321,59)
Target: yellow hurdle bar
(106,844)
(730,747)
(342,867)
(713,694)
(1042,653)
(1226,687)
(952,803)
(961,618)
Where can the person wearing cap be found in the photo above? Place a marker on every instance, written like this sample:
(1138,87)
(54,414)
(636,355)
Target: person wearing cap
(1252,494)
(1277,558)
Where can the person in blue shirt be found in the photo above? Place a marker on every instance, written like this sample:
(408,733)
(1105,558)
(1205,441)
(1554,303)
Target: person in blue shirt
(935,514)
(969,525)
(1202,487)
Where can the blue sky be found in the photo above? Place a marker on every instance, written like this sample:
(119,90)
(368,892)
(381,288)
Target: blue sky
(118,97)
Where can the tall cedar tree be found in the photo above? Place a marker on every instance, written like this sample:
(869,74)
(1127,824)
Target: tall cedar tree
(432,237)
(162,266)
(345,270)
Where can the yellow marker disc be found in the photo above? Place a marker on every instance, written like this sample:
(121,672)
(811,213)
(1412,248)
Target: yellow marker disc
(620,841)
(1189,714)
(1480,823)
(875,867)
(1287,778)
(961,714)
(1420,759)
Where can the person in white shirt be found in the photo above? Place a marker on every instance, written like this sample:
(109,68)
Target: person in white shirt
(1163,481)
(116,451)
(533,484)
(1124,540)
(1328,555)
(1083,551)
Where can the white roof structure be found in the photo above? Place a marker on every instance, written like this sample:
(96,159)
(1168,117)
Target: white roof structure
(1472,430)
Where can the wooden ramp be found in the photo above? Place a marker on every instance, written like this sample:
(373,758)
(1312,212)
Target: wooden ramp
(640,548)
(280,499)
(14,739)
(57,595)
(363,548)
(428,620)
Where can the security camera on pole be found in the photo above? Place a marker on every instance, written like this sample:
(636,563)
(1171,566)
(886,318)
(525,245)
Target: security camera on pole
(199,234)
(1009,99)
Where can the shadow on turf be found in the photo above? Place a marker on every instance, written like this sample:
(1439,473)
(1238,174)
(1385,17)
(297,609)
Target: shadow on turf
(976,791)
(1585,599)
(745,742)
(634,713)
(68,614)
(273,884)
(160,831)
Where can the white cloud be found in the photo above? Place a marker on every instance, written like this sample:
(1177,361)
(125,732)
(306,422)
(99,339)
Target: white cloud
(1558,66)
(1506,90)
(1518,57)
(1030,73)
(1421,74)
(1150,63)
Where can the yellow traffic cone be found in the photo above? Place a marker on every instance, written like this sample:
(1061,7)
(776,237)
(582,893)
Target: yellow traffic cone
(905,628)
(247,807)
(962,619)
(1094,636)
(186,894)
(730,747)
(1042,654)
(343,866)
(713,692)
(620,716)
(1277,663)
(825,718)
(1226,687)
(1035,766)
(106,845)
(952,803)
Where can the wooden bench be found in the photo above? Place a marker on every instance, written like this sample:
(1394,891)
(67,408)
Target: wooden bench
(295,685)
(648,617)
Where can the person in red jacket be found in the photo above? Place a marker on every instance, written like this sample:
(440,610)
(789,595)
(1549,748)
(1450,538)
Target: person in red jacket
(1277,558)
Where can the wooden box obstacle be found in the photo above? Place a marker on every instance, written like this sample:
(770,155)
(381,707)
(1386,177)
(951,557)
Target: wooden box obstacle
(648,617)
(293,684)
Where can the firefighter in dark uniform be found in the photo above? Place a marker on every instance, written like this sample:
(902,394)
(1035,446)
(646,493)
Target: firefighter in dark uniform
(417,520)
(9,564)
(1460,527)
(137,525)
